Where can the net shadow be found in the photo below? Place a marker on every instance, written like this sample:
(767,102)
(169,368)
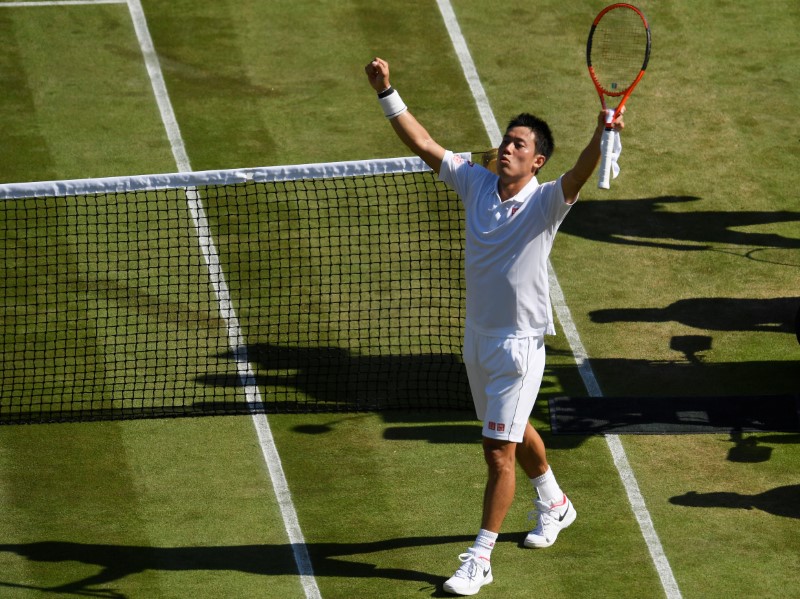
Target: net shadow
(333,379)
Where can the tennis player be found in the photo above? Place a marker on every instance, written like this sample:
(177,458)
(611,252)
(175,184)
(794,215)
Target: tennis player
(511,221)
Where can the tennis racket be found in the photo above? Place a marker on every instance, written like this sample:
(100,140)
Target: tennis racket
(617,53)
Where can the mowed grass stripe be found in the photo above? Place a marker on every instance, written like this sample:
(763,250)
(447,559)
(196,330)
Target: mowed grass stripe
(602,275)
(73,94)
(226,308)
(75,548)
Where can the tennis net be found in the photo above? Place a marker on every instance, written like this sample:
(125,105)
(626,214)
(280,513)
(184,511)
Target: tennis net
(328,287)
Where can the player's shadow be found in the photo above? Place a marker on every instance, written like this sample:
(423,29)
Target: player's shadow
(774,315)
(647,222)
(781,501)
(334,378)
(116,562)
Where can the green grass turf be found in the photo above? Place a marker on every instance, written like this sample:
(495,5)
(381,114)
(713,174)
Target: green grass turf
(375,495)
(74,76)
(157,508)
(720,501)
(284,84)
(407,494)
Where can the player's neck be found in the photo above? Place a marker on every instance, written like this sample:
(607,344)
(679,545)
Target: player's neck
(508,188)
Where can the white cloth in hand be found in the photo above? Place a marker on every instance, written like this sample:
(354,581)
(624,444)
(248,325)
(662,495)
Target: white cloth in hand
(616,150)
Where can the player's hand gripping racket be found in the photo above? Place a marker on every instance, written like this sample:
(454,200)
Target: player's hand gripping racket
(617,53)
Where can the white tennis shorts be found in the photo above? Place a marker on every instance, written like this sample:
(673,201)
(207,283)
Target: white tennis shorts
(505,375)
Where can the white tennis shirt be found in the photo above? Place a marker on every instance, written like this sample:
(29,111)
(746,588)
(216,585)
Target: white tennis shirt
(507,246)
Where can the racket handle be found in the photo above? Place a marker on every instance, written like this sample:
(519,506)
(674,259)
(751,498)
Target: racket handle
(606,149)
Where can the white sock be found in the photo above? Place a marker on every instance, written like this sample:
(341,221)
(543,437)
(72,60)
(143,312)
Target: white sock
(547,488)
(484,543)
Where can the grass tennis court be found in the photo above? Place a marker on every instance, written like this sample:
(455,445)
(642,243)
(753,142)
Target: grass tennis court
(683,279)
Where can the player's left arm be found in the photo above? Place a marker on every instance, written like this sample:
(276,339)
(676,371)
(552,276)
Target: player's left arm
(575,178)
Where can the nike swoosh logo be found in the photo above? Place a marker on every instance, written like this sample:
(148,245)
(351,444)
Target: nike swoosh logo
(564,515)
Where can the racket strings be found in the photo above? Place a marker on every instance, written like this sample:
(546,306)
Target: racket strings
(618,50)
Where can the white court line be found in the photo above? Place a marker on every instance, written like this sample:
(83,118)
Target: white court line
(635,497)
(235,337)
(159,86)
(58,3)
(629,482)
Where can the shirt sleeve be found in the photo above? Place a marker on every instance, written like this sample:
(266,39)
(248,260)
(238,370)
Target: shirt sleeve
(459,174)
(554,205)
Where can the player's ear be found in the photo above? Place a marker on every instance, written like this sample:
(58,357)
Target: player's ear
(538,162)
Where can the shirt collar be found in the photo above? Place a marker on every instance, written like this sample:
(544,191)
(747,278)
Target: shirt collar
(523,193)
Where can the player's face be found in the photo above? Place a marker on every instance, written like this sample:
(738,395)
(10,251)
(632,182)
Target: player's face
(516,156)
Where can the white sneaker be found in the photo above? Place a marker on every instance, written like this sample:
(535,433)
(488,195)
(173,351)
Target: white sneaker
(473,573)
(551,519)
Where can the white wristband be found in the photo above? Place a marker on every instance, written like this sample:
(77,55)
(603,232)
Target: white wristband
(391,102)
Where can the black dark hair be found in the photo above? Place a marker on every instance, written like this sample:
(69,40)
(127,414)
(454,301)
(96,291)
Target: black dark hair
(545,145)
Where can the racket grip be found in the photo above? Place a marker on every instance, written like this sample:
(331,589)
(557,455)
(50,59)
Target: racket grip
(606,149)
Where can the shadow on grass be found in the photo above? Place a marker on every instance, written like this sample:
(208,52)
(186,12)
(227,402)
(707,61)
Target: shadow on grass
(645,222)
(781,501)
(335,379)
(116,562)
(773,315)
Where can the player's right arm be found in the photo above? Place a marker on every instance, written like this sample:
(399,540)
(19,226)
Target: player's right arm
(575,178)
(405,125)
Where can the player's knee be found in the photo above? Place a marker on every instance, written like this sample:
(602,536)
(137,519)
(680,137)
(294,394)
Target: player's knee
(499,455)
